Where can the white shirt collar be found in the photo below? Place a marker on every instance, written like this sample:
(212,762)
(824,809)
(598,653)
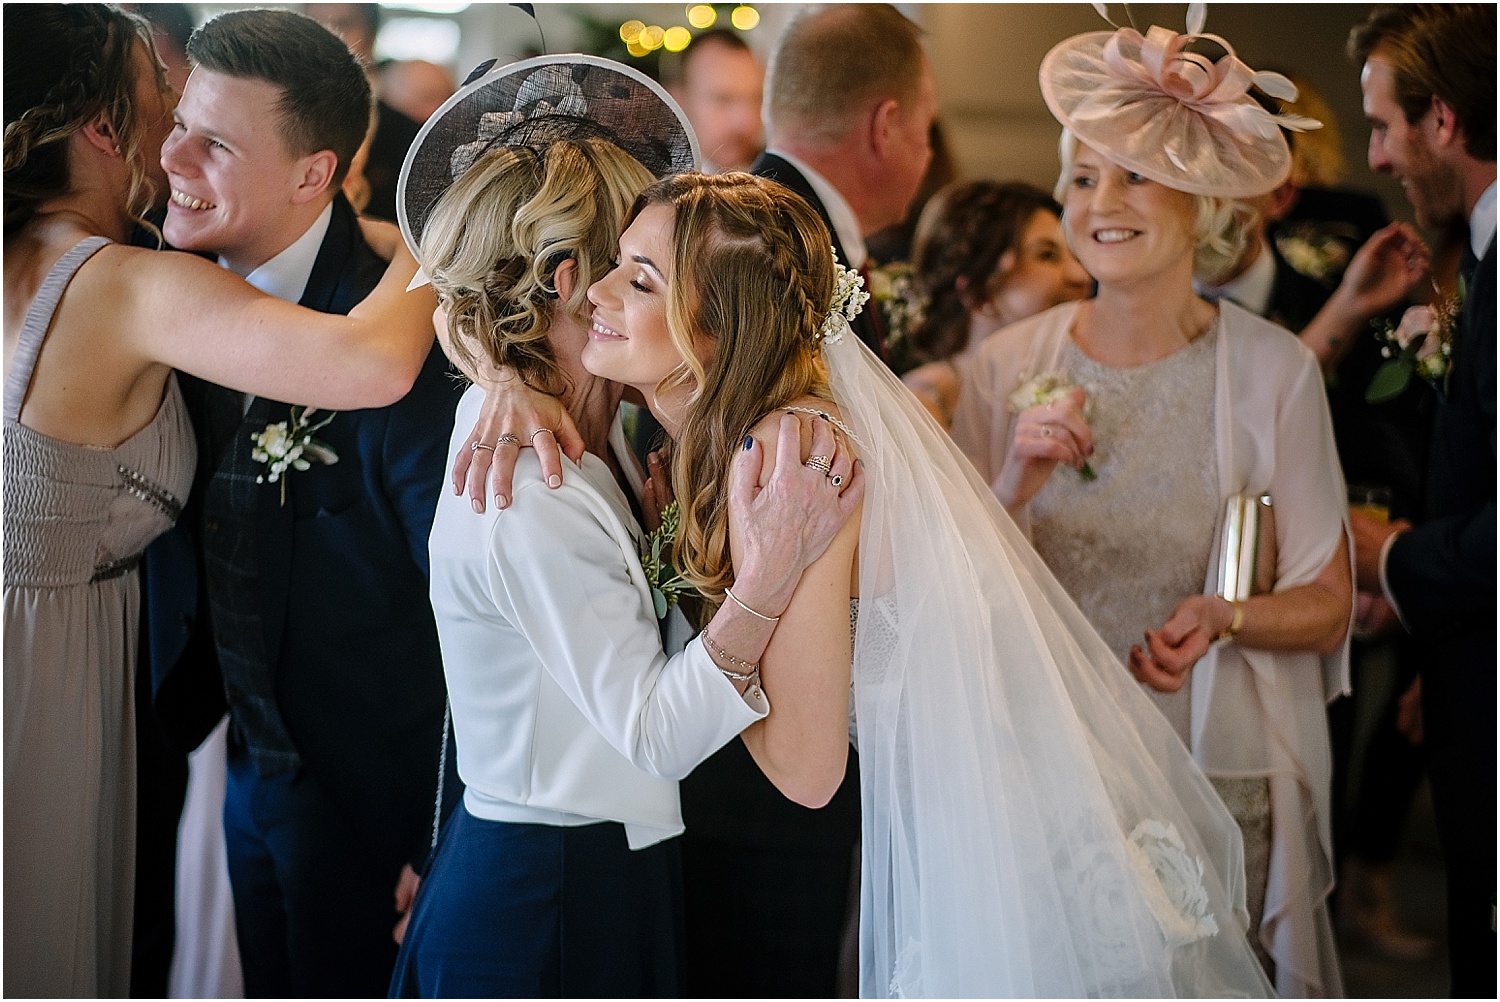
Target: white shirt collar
(1482,222)
(1252,288)
(285,275)
(845,225)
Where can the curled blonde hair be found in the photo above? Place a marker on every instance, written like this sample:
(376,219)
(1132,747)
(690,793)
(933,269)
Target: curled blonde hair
(1221,228)
(64,65)
(494,241)
(752,276)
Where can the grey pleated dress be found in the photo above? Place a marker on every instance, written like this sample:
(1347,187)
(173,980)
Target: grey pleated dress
(76,520)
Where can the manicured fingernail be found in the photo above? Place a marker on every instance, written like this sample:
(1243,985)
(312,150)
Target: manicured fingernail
(478,506)
(748,440)
(554,481)
(501,501)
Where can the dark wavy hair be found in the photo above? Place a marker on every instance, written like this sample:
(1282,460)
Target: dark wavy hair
(962,234)
(64,65)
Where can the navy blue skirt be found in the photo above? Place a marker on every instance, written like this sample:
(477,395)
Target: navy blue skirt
(540,911)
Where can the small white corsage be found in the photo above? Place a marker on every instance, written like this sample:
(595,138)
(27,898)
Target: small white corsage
(1047,388)
(1421,342)
(894,288)
(849,297)
(667,585)
(290,445)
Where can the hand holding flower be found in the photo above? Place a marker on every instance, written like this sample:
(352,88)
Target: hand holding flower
(1054,430)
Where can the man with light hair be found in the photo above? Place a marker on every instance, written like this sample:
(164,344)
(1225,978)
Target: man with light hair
(849,106)
(1428,83)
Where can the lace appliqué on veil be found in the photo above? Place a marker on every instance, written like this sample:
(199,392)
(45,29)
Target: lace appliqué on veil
(1172,880)
(906,979)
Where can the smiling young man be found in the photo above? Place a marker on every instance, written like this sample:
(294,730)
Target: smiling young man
(314,597)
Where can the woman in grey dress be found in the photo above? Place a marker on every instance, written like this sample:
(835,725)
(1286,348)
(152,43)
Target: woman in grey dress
(99,455)
(1116,430)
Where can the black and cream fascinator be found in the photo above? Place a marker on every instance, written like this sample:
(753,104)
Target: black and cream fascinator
(534,103)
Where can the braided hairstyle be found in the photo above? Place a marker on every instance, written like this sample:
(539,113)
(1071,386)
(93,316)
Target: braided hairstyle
(64,65)
(964,231)
(752,276)
(494,240)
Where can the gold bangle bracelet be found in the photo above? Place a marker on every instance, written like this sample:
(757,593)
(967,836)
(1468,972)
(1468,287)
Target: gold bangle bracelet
(1236,623)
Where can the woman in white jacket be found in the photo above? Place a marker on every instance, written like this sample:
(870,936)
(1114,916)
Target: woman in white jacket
(558,874)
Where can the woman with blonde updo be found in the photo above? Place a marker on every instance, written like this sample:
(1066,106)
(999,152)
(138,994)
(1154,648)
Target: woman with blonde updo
(987,255)
(558,874)
(1031,825)
(99,455)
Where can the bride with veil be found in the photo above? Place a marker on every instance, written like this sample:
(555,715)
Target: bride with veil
(1032,826)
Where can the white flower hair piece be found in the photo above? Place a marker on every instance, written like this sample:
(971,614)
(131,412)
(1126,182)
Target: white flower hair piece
(849,297)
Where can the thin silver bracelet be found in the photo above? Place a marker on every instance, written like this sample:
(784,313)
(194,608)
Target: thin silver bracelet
(715,652)
(742,605)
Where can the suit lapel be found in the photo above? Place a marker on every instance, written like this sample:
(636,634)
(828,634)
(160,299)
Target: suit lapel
(769,165)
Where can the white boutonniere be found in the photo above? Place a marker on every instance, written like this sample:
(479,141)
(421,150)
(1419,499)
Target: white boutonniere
(1048,388)
(894,288)
(1422,343)
(290,445)
(667,585)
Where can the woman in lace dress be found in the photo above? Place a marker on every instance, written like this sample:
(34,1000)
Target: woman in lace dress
(99,455)
(1175,406)
(986,255)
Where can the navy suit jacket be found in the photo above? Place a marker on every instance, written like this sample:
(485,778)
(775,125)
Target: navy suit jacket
(341,585)
(771,166)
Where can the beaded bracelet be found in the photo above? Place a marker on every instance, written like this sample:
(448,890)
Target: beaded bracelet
(716,652)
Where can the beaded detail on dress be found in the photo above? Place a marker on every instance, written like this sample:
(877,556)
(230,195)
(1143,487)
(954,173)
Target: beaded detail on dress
(1132,544)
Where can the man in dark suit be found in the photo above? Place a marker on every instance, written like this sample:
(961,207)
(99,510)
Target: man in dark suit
(850,135)
(313,595)
(1428,81)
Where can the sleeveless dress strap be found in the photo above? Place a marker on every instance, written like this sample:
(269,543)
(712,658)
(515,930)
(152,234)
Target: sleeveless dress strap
(39,320)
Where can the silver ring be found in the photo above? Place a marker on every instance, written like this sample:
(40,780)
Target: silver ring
(823,464)
(540,430)
(476,446)
(837,480)
(507,439)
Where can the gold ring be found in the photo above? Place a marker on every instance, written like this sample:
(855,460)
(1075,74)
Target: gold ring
(476,446)
(823,464)
(508,439)
(540,430)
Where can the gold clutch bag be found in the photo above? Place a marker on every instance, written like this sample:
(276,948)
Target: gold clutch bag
(1247,547)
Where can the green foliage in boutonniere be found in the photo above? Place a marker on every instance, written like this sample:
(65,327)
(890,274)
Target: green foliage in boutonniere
(667,585)
(1422,343)
(290,445)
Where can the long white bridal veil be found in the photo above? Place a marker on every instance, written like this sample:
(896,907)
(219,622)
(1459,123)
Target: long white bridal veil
(1032,824)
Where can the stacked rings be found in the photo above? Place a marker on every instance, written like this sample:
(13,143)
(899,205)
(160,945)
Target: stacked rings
(823,464)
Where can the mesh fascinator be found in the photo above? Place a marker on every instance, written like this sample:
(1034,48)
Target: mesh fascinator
(1161,107)
(534,103)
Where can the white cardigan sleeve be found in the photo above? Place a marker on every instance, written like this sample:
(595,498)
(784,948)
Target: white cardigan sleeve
(564,572)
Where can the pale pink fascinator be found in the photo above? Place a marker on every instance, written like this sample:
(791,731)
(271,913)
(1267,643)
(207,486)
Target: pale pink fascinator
(1178,117)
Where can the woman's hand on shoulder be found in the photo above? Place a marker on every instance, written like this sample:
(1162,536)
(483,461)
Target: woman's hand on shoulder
(783,512)
(514,417)
(1044,436)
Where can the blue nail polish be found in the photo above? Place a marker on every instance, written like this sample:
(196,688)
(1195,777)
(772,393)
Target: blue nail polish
(748,440)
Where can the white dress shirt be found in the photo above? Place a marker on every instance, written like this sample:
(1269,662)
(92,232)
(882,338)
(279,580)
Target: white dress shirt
(566,711)
(845,226)
(285,276)
(1251,288)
